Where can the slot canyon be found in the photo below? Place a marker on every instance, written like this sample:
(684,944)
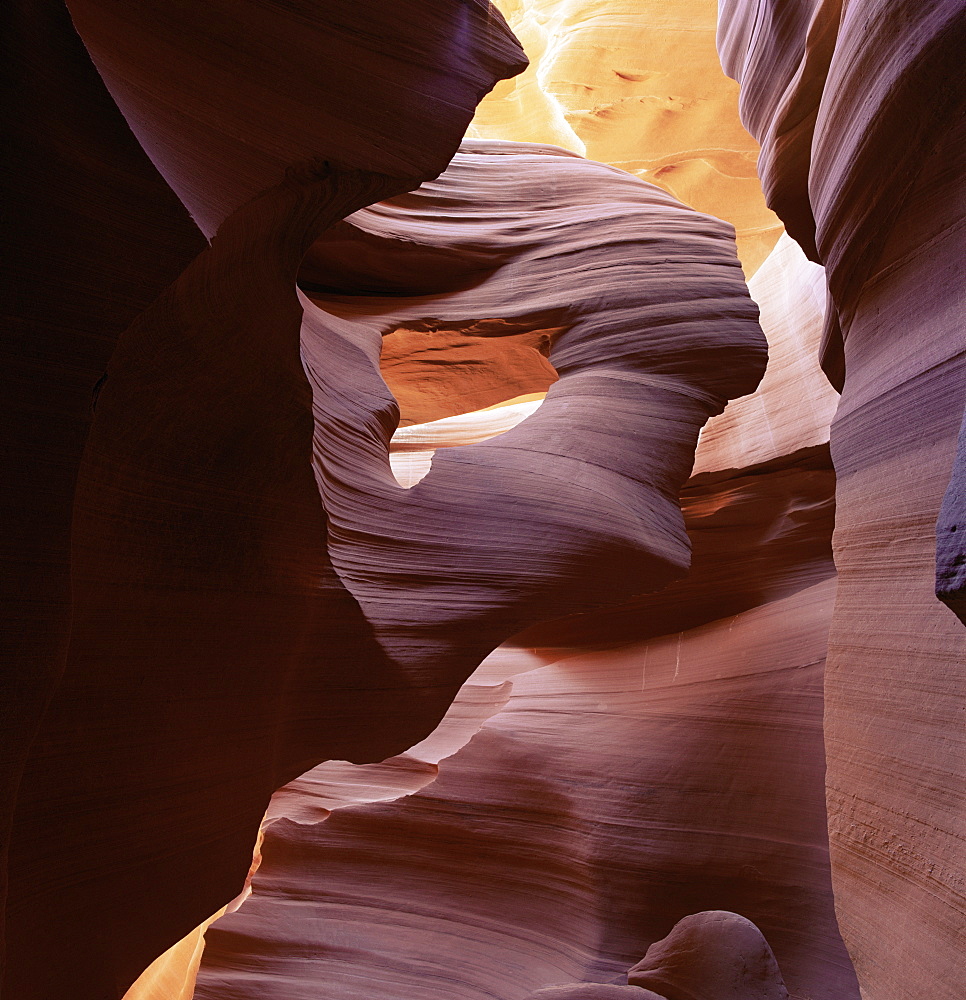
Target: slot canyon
(485,500)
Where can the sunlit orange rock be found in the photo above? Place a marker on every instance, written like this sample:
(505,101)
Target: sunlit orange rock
(637,84)
(438,370)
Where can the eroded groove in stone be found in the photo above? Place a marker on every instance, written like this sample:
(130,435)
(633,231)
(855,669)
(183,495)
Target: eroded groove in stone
(206,623)
(857,106)
(587,815)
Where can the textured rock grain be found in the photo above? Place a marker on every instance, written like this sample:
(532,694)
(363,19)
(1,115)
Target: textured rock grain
(637,84)
(655,331)
(591,991)
(951,536)
(224,95)
(618,789)
(572,832)
(857,106)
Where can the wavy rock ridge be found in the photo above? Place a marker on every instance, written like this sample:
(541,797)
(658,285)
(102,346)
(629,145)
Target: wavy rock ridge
(857,106)
(272,561)
(654,332)
(541,851)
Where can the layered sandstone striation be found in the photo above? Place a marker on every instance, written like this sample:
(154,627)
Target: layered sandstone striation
(241,619)
(597,991)
(653,327)
(857,107)
(609,791)
(951,535)
(637,84)
(204,617)
(616,792)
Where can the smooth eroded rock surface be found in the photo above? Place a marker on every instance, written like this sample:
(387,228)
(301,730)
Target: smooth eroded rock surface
(653,331)
(189,604)
(92,236)
(637,84)
(714,955)
(857,106)
(220,624)
(616,792)
(411,411)
(617,789)
(223,96)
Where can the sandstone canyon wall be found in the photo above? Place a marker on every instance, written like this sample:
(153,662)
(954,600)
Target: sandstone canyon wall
(210,624)
(421,405)
(858,107)
(637,84)
(92,236)
(196,570)
(470,865)
(610,791)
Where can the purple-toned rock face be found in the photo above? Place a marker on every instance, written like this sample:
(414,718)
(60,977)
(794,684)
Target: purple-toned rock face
(218,623)
(224,95)
(223,101)
(858,108)
(591,991)
(951,536)
(425,401)
(655,330)
(611,790)
(714,955)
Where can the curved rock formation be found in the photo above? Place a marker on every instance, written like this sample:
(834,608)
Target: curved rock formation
(273,561)
(224,96)
(711,956)
(569,834)
(951,536)
(201,555)
(857,106)
(197,551)
(411,449)
(185,582)
(616,790)
(655,330)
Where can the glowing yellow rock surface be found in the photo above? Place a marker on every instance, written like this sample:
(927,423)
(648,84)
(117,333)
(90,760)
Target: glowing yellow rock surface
(171,976)
(637,84)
